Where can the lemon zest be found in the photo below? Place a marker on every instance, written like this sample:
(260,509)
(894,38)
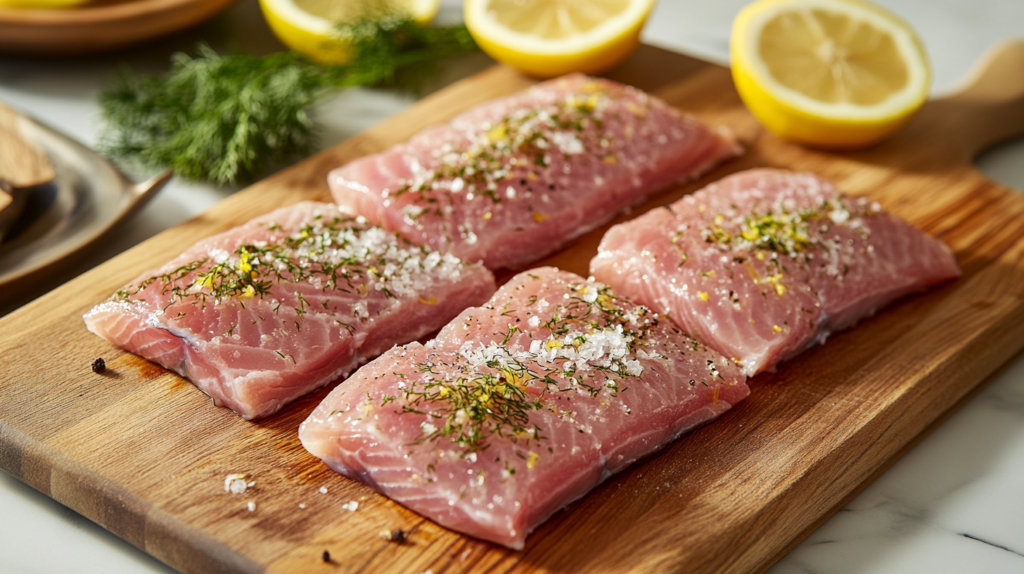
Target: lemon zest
(532,459)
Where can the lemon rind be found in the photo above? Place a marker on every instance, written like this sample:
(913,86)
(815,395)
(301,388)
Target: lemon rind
(751,21)
(796,125)
(529,44)
(317,37)
(292,14)
(286,10)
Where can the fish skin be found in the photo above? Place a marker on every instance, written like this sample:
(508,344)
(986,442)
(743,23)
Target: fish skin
(273,357)
(358,433)
(648,145)
(756,312)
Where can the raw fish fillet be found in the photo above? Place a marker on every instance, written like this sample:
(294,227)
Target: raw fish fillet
(266,312)
(765,263)
(520,406)
(514,179)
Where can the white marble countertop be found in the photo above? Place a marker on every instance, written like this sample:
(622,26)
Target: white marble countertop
(954,503)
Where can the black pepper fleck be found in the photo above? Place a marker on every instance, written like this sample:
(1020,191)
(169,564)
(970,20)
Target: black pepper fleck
(326,556)
(99,366)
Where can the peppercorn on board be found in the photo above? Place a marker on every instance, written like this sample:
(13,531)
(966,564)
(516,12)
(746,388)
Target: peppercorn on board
(142,452)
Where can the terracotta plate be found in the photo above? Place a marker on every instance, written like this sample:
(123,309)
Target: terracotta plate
(99,25)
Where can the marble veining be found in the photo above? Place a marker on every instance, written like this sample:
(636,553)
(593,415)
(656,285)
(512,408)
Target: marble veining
(954,503)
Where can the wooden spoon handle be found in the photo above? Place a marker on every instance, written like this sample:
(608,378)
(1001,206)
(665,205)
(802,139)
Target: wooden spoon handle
(21,162)
(5,197)
(989,108)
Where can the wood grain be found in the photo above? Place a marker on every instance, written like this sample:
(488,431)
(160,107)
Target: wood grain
(142,452)
(21,164)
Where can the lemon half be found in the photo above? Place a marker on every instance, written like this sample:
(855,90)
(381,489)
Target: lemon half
(549,38)
(309,26)
(830,73)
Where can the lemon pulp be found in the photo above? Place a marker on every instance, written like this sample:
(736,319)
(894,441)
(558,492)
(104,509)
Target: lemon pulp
(308,26)
(831,58)
(553,37)
(330,10)
(834,73)
(555,19)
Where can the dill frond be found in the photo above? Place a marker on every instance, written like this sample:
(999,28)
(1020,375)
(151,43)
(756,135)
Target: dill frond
(230,118)
(400,52)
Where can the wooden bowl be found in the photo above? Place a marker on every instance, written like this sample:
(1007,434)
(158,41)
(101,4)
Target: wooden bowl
(100,25)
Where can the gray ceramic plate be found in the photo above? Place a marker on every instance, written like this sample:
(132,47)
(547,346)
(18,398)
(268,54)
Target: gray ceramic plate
(88,197)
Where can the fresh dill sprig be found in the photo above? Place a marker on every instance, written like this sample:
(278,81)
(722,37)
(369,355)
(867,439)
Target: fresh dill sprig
(399,51)
(229,118)
(214,117)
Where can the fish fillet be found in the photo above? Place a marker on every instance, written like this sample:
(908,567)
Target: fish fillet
(514,179)
(520,406)
(266,312)
(765,263)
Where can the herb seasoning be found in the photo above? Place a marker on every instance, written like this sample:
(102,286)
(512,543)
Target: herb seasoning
(778,236)
(519,144)
(333,254)
(593,342)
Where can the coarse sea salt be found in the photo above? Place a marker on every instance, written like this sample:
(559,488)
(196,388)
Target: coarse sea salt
(260,297)
(236,483)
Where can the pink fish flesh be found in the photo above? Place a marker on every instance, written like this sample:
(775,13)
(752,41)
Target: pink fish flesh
(765,263)
(514,179)
(266,312)
(520,406)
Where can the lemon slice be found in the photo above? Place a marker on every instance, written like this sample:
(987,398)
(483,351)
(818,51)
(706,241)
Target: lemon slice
(830,73)
(553,37)
(309,26)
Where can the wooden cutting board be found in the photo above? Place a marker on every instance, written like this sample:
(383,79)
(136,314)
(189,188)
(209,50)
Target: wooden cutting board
(144,453)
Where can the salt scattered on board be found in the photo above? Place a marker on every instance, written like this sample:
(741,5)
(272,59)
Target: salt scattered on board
(236,483)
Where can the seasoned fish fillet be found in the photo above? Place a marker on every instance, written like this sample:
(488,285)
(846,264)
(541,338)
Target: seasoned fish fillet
(520,406)
(514,179)
(765,263)
(266,312)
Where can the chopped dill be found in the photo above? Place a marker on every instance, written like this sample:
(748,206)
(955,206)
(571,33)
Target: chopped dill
(524,134)
(488,391)
(780,231)
(336,254)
